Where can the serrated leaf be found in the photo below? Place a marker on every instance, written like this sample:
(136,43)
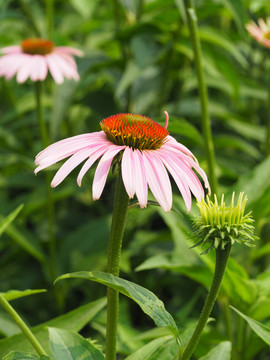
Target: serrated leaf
(4,223)
(16,294)
(74,320)
(260,329)
(220,352)
(148,302)
(71,346)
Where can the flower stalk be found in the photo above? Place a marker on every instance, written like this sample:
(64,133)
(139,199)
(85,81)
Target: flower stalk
(222,256)
(203,94)
(219,226)
(50,202)
(22,325)
(120,209)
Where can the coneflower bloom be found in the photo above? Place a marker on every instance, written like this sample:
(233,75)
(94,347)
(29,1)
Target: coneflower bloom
(260,32)
(35,57)
(146,151)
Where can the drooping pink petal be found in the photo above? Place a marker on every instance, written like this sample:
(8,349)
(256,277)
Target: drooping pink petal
(97,153)
(69,165)
(24,70)
(68,50)
(128,173)
(67,147)
(171,142)
(54,68)
(103,170)
(179,180)
(141,182)
(66,67)
(39,68)
(9,65)
(11,50)
(158,179)
(186,172)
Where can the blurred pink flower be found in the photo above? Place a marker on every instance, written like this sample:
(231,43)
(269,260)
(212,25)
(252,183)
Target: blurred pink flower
(260,32)
(147,151)
(35,57)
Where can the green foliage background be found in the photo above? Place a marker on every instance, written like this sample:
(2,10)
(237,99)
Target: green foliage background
(138,58)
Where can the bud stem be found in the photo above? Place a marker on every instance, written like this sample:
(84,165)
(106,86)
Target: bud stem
(222,257)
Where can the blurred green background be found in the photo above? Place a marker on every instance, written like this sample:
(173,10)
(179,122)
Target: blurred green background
(139,59)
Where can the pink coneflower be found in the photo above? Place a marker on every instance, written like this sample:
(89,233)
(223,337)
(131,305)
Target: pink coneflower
(35,57)
(262,32)
(146,151)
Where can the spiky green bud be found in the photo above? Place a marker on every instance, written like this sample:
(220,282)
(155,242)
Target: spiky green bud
(219,224)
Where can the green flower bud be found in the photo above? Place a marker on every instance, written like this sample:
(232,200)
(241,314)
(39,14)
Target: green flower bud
(219,224)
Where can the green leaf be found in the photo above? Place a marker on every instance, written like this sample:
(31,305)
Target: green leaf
(238,13)
(164,348)
(71,346)
(22,240)
(219,352)
(74,320)
(261,330)
(184,128)
(131,73)
(15,355)
(148,302)
(16,294)
(218,38)
(4,223)
(84,7)
(7,325)
(254,184)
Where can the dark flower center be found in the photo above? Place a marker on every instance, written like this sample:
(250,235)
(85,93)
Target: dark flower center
(37,46)
(136,131)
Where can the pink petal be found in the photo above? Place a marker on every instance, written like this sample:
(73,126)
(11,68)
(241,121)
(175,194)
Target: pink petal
(69,165)
(158,179)
(68,50)
(9,65)
(128,174)
(11,50)
(186,172)
(93,157)
(67,147)
(141,182)
(67,67)
(179,180)
(39,68)
(55,69)
(103,170)
(25,69)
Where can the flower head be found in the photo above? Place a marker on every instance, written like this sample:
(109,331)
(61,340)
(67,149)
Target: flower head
(35,57)
(219,224)
(260,32)
(146,152)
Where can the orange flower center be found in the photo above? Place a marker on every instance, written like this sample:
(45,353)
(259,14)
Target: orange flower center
(136,131)
(37,46)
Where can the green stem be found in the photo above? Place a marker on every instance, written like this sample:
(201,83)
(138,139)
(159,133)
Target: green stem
(222,257)
(42,124)
(267,145)
(50,201)
(120,209)
(50,16)
(206,123)
(22,325)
